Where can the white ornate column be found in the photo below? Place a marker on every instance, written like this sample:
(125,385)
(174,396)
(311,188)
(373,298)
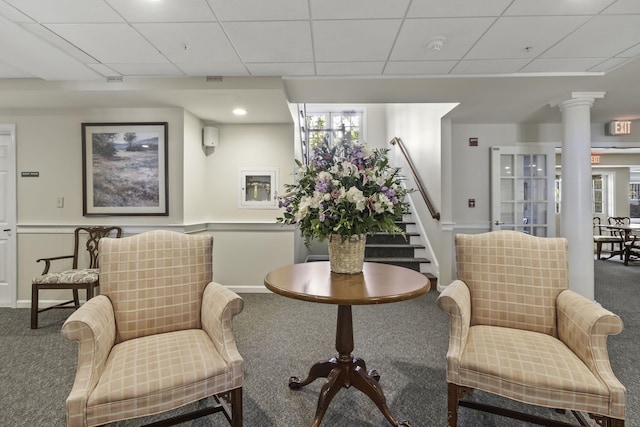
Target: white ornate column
(576,218)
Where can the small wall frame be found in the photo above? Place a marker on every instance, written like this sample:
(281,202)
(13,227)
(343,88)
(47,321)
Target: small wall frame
(258,188)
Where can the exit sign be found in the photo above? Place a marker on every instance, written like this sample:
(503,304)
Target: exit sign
(617,127)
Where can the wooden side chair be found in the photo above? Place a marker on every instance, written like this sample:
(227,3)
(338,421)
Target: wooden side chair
(86,240)
(601,237)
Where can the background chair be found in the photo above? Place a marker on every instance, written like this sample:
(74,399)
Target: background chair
(158,337)
(85,252)
(518,332)
(602,236)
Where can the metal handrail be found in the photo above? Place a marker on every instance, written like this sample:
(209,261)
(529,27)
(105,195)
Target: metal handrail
(434,213)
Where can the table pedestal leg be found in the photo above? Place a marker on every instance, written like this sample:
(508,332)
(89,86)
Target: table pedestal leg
(345,371)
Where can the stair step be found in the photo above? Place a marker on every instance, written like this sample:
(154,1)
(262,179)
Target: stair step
(391,250)
(410,263)
(390,238)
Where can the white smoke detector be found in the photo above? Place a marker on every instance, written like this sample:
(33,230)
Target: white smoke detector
(435,44)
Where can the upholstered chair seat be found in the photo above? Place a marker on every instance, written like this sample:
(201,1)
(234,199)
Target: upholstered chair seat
(86,275)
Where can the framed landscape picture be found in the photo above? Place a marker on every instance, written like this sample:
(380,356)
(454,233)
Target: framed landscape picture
(124,169)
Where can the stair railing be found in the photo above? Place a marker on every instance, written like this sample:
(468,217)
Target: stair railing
(434,213)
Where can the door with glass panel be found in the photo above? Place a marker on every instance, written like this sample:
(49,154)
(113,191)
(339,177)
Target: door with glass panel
(522,190)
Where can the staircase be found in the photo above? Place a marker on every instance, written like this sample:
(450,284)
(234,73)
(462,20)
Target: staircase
(399,250)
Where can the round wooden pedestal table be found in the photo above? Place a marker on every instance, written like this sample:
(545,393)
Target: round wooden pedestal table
(377,284)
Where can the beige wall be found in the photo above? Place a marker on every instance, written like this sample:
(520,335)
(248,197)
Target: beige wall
(203,189)
(246,147)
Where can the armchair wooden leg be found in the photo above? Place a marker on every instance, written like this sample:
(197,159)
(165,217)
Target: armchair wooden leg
(452,405)
(236,407)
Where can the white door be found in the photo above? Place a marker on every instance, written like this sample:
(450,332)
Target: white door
(7,216)
(522,189)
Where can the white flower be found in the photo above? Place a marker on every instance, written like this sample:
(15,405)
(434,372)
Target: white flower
(355,196)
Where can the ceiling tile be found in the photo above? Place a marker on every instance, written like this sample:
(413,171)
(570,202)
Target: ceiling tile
(28,52)
(53,38)
(103,69)
(602,36)
(358,9)
(624,7)
(609,64)
(190,42)
(277,41)
(555,7)
(13,14)
(163,11)
(461,34)
(67,11)
(354,40)
(282,69)
(208,69)
(577,65)
(508,37)
(8,71)
(489,66)
(146,69)
(349,68)
(631,52)
(453,8)
(418,68)
(259,10)
(110,43)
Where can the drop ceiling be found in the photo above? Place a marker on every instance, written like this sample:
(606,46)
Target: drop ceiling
(512,55)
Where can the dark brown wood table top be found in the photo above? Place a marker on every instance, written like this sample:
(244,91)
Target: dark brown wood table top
(377,284)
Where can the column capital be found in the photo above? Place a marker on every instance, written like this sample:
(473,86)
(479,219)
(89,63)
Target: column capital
(577,99)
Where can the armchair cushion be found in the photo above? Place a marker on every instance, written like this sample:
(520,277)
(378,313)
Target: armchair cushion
(161,371)
(530,367)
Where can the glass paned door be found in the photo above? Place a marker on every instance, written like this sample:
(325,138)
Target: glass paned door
(522,190)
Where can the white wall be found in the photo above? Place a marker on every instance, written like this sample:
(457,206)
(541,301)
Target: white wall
(419,127)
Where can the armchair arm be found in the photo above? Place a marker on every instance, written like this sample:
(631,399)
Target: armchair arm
(93,327)
(456,301)
(584,326)
(219,306)
(47,261)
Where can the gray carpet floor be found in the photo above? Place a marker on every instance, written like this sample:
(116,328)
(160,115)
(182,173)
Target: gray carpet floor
(405,342)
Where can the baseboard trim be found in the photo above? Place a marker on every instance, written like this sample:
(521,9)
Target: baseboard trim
(239,289)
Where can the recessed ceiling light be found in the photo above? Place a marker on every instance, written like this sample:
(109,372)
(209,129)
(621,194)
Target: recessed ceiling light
(239,111)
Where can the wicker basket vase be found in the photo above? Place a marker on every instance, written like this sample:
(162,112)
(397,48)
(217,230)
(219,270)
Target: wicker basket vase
(346,256)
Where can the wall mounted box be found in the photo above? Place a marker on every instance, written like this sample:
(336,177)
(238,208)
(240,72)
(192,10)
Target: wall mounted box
(209,136)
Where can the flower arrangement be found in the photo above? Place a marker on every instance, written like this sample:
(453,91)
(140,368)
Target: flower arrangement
(346,189)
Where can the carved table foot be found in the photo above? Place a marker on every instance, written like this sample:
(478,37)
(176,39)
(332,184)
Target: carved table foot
(345,373)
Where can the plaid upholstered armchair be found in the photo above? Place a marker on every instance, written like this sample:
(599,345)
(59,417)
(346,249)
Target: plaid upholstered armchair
(158,337)
(518,332)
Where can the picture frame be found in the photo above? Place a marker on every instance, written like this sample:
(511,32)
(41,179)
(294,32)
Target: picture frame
(258,188)
(125,168)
